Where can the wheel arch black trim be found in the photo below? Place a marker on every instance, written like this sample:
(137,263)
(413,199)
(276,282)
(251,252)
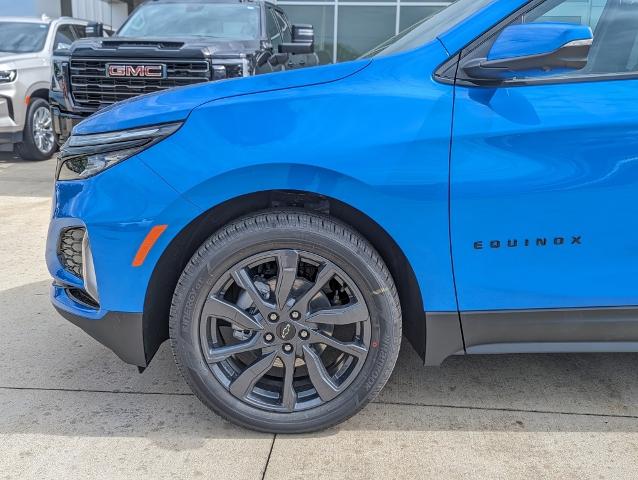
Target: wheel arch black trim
(169,267)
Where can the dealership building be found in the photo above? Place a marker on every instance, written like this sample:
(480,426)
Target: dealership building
(344,29)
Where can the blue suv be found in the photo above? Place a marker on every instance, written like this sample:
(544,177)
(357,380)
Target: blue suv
(472,184)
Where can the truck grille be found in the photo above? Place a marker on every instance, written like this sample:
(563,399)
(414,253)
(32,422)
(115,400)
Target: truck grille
(91,87)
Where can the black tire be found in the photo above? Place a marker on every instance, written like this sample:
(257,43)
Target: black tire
(273,231)
(29,148)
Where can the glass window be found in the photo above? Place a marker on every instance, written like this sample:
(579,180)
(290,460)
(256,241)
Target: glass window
(64,37)
(80,31)
(273,29)
(22,37)
(217,20)
(321,17)
(409,15)
(284,26)
(427,30)
(361,28)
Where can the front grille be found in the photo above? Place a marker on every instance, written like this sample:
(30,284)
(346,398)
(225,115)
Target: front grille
(70,250)
(91,87)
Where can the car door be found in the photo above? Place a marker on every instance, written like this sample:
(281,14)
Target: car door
(544,190)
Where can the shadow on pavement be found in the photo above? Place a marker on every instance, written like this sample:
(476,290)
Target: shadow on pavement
(54,379)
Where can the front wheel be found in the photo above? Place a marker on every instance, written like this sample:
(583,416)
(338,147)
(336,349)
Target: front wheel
(286,321)
(39,138)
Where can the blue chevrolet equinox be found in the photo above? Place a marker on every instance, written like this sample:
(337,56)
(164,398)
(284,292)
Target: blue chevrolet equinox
(472,184)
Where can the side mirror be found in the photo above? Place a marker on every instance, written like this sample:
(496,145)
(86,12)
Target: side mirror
(533,50)
(303,40)
(95,29)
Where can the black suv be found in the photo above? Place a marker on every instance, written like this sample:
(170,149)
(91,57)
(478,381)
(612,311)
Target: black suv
(171,43)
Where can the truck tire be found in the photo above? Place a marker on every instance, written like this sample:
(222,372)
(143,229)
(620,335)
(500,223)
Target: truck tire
(39,141)
(285,322)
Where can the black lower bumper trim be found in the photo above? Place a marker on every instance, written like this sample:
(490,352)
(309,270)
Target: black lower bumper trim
(119,331)
(63,123)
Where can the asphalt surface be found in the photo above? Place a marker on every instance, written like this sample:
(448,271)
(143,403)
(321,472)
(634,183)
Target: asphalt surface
(70,409)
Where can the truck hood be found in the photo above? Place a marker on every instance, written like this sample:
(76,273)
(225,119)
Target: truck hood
(176,104)
(130,48)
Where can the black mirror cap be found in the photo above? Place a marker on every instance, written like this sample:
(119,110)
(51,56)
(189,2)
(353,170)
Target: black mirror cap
(296,48)
(95,29)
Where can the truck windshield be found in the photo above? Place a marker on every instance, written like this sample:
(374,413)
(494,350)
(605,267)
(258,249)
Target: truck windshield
(217,20)
(428,29)
(22,37)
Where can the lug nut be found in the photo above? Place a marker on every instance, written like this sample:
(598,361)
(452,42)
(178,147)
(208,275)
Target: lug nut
(269,337)
(295,315)
(287,348)
(304,334)
(273,317)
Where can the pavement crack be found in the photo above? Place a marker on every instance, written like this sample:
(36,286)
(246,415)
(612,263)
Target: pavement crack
(89,390)
(509,410)
(272,445)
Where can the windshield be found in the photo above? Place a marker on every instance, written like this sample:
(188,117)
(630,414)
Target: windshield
(218,20)
(428,29)
(22,37)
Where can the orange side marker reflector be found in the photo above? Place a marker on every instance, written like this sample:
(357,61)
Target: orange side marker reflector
(27,99)
(147,244)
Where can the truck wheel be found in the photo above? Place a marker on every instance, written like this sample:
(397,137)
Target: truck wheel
(39,139)
(286,321)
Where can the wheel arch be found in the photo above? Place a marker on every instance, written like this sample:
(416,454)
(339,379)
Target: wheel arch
(168,268)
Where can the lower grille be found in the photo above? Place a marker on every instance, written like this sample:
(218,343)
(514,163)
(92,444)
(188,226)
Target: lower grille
(70,250)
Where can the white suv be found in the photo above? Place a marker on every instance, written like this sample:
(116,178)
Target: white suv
(26,46)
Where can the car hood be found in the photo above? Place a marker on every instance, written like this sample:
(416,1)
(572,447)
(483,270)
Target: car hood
(175,105)
(18,60)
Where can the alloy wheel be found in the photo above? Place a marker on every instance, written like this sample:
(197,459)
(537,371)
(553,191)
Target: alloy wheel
(43,136)
(285,330)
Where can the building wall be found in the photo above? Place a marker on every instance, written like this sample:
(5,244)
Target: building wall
(109,12)
(30,8)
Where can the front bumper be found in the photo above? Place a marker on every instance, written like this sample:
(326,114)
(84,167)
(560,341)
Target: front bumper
(122,332)
(10,130)
(116,208)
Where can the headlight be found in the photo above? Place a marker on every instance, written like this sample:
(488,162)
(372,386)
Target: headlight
(7,76)
(59,81)
(83,156)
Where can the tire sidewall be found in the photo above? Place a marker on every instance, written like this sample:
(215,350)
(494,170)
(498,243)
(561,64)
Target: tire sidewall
(218,256)
(28,149)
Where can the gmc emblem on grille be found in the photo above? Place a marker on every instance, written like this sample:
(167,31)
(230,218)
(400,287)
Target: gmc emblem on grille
(145,71)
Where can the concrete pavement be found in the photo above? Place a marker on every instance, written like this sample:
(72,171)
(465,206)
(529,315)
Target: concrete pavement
(69,408)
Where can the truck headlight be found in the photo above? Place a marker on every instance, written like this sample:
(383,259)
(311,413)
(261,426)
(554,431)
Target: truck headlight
(8,76)
(59,81)
(83,156)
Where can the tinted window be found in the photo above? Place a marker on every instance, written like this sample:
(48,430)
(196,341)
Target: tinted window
(217,20)
(64,37)
(21,37)
(284,26)
(273,29)
(430,28)
(80,31)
